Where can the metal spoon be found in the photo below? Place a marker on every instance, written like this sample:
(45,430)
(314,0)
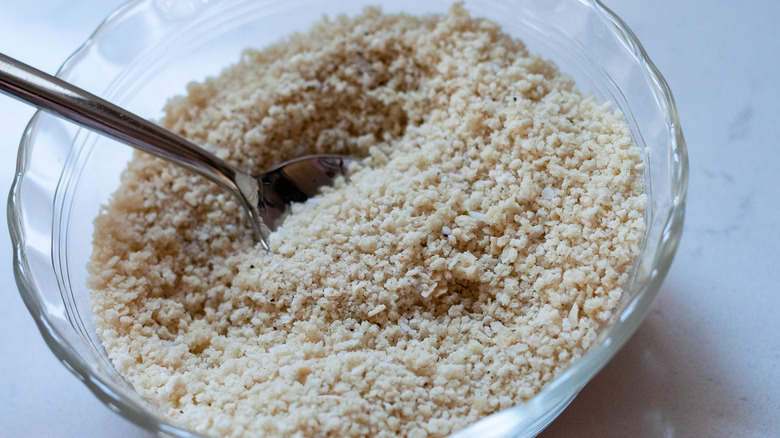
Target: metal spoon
(266,196)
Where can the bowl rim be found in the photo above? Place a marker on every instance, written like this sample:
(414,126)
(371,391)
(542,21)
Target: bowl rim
(597,356)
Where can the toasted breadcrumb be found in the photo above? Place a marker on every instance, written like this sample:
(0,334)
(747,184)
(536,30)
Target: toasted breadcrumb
(472,256)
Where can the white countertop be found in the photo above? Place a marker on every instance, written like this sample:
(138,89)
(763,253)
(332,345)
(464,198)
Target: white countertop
(706,361)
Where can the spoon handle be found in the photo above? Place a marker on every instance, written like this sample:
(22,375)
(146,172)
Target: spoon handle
(47,92)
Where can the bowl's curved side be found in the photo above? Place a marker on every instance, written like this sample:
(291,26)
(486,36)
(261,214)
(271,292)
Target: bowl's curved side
(33,252)
(678,149)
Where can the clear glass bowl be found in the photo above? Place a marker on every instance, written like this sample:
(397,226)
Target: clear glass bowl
(148,50)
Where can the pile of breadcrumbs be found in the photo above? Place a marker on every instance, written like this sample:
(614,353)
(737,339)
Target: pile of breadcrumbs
(471,256)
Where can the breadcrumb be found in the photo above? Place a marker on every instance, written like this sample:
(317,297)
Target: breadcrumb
(472,256)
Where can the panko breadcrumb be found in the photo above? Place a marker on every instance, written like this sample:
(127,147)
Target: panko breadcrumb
(473,254)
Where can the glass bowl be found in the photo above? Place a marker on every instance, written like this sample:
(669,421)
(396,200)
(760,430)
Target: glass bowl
(148,50)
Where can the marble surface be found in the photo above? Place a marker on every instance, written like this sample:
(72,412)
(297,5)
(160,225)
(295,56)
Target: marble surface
(706,361)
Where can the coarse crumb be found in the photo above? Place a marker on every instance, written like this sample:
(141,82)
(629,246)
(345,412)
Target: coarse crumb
(471,257)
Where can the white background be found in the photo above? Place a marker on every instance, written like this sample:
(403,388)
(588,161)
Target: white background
(706,361)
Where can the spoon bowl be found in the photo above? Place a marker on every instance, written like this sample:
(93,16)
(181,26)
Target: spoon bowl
(268,195)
